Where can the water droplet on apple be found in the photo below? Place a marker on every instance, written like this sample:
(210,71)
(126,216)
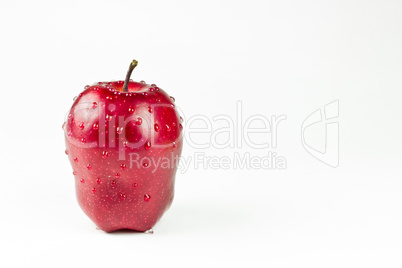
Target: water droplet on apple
(70,116)
(70,134)
(80,95)
(181,119)
(174,145)
(108,117)
(172,98)
(86,87)
(167,127)
(119,130)
(139,121)
(147,145)
(145,164)
(66,151)
(142,82)
(98,181)
(147,197)
(117,176)
(76,159)
(123,166)
(75,98)
(81,126)
(152,89)
(181,126)
(62,127)
(105,154)
(94,105)
(112,183)
(89,167)
(150,231)
(135,185)
(150,109)
(95,126)
(83,140)
(123,196)
(156,127)
(74,173)
(172,105)
(82,181)
(153,85)
(93,190)
(131,110)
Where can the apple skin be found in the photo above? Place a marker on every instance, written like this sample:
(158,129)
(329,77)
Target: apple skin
(114,140)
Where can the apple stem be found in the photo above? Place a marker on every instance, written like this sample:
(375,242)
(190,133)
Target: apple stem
(133,64)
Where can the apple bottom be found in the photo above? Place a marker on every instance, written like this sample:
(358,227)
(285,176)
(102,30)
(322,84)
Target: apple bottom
(111,213)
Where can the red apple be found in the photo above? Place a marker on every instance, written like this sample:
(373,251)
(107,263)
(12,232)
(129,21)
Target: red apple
(123,141)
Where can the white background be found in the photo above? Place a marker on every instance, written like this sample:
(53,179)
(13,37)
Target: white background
(277,58)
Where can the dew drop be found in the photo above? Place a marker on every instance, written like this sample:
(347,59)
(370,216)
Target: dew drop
(66,151)
(123,166)
(181,126)
(76,159)
(105,154)
(123,196)
(142,82)
(167,127)
(119,130)
(81,126)
(150,231)
(75,98)
(83,140)
(147,197)
(108,117)
(98,181)
(135,185)
(147,145)
(145,93)
(131,110)
(139,121)
(70,134)
(125,143)
(172,98)
(86,87)
(94,105)
(89,167)
(145,165)
(62,127)
(181,119)
(93,190)
(172,105)
(174,145)
(113,183)
(70,116)
(156,127)
(153,85)
(152,89)
(80,95)
(117,176)
(74,173)
(150,109)
(82,181)
(95,126)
